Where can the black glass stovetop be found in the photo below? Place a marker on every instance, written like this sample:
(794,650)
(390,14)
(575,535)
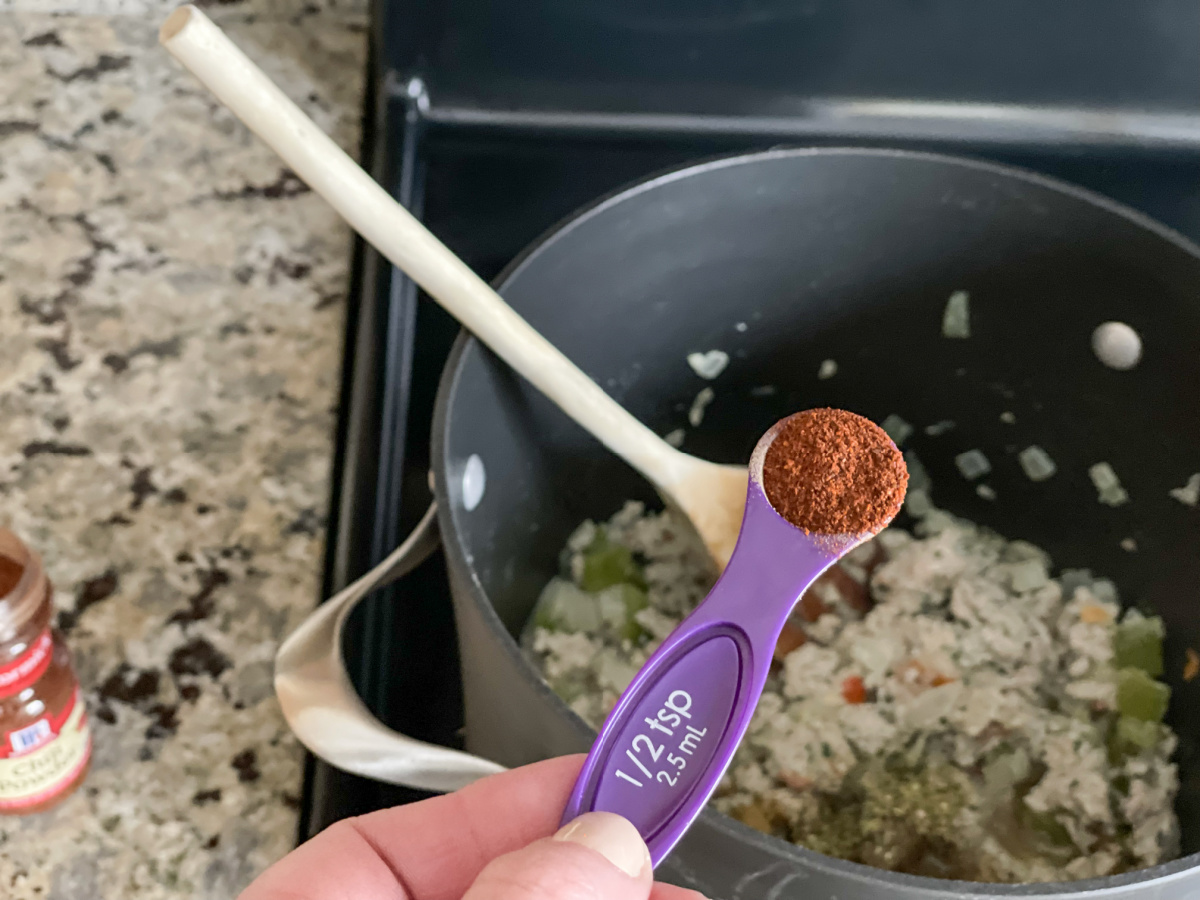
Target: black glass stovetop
(489,173)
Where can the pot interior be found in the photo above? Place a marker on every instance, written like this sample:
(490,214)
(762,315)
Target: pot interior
(786,259)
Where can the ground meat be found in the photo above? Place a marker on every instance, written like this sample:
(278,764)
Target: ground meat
(960,718)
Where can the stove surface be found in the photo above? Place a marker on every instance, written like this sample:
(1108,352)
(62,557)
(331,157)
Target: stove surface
(488,187)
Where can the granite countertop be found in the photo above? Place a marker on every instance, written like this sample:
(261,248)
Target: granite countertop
(171,311)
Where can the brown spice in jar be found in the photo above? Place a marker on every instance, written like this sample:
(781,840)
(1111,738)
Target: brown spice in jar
(10,574)
(45,743)
(829,471)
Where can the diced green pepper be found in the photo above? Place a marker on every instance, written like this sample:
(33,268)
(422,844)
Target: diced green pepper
(1138,643)
(1140,696)
(1131,736)
(634,599)
(606,564)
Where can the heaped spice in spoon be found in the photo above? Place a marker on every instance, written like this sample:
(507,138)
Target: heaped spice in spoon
(829,471)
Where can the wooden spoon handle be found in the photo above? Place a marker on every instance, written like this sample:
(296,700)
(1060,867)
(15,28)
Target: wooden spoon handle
(193,39)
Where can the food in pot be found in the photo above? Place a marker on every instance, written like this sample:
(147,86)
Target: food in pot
(1037,463)
(956,320)
(1189,494)
(942,703)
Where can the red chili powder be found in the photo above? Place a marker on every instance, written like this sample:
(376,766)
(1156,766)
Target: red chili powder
(829,471)
(10,574)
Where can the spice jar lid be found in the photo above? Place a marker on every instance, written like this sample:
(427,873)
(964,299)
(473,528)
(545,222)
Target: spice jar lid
(20,594)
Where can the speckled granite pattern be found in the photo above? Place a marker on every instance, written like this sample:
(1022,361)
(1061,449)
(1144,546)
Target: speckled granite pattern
(171,305)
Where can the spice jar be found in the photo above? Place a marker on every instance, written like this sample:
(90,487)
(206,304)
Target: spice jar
(44,740)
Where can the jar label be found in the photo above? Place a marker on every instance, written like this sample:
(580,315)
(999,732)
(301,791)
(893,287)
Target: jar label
(26,669)
(40,759)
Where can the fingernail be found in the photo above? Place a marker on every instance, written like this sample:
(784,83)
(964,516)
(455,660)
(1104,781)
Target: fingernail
(612,836)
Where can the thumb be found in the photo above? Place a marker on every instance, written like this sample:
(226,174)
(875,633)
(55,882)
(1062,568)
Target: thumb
(598,856)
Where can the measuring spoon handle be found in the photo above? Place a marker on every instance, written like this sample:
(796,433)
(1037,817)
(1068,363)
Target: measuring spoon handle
(667,743)
(670,738)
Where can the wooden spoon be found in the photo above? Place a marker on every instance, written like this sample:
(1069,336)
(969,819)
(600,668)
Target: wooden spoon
(712,496)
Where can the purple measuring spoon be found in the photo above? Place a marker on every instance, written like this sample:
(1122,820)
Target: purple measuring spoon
(667,742)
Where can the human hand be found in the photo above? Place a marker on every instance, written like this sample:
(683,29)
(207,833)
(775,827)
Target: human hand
(490,841)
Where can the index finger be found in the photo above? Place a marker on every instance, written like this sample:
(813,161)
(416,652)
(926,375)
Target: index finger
(431,850)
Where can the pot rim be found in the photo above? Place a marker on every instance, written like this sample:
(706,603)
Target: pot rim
(1158,875)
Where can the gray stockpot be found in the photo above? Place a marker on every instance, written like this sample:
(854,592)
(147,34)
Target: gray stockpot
(784,259)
